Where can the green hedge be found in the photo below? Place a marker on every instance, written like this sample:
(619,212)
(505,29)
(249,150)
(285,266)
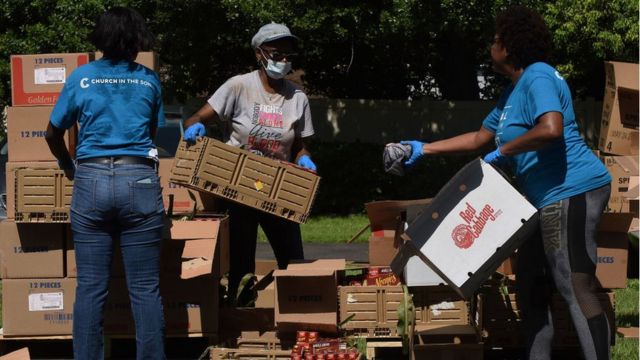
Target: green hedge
(353,174)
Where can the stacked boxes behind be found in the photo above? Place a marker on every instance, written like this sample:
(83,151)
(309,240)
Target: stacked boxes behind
(37,253)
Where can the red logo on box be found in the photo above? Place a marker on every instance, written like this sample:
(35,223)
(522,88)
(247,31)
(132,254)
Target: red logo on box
(464,235)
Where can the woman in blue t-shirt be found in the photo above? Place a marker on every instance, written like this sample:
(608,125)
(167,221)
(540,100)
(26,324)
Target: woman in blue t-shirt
(535,132)
(117,104)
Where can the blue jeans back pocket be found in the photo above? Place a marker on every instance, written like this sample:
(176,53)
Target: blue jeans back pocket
(145,197)
(84,195)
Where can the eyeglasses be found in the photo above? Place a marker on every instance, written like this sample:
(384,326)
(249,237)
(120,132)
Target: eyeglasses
(278,56)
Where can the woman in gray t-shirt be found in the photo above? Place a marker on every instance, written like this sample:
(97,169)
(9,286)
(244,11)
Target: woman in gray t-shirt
(268,115)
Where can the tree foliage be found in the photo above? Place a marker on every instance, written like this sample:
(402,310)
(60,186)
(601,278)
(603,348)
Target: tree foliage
(392,49)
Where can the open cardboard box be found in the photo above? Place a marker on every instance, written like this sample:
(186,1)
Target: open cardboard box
(202,244)
(475,222)
(307,296)
(620,97)
(613,253)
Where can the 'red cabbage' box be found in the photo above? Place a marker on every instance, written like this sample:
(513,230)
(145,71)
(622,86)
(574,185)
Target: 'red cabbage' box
(474,223)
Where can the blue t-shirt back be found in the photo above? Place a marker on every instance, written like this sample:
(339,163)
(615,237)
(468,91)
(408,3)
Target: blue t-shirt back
(115,104)
(559,170)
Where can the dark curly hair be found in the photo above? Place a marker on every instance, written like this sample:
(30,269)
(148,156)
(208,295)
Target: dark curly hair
(525,35)
(120,33)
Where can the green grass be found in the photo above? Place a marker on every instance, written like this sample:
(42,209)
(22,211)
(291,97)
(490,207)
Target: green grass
(626,316)
(331,229)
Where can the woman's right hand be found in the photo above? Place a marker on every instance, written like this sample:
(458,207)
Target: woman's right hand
(193,132)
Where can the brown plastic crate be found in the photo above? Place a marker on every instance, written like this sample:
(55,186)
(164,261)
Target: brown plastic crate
(42,195)
(273,186)
(374,309)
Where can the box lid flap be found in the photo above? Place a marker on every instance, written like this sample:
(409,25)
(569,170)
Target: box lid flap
(622,74)
(320,264)
(316,272)
(188,230)
(384,215)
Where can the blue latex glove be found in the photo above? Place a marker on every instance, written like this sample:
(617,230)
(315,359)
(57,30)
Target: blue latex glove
(193,132)
(305,162)
(416,151)
(495,157)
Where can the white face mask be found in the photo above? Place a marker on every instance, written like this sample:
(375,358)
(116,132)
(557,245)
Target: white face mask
(276,69)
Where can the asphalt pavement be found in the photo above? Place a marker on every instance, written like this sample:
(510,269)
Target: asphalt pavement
(358,252)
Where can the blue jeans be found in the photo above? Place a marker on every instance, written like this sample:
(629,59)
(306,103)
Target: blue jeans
(110,204)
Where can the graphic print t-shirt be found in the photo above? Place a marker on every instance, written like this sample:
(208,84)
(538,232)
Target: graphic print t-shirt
(262,121)
(115,105)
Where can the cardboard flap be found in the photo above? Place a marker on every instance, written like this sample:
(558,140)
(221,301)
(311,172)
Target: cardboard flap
(621,74)
(199,248)
(384,215)
(615,222)
(189,230)
(320,264)
(304,272)
(22,354)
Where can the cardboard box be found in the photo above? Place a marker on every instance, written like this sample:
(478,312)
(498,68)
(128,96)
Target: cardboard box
(33,307)
(265,266)
(10,172)
(71,270)
(266,292)
(183,202)
(389,214)
(276,187)
(307,296)
(383,247)
(621,169)
(147,58)
(388,220)
(190,307)
(614,137)
(474,223)
(197,247)
(38,79)
(26,131)
(613,253)
(628,99)
(31,251)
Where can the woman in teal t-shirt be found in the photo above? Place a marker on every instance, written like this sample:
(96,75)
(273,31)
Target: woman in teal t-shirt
(535,132)
(117,197)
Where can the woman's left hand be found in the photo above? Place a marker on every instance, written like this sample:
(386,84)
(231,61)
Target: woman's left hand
(306,162)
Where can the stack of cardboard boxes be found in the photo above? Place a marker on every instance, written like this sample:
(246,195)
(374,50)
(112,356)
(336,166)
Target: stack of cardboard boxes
(37,254)
(618,146)
(37,293)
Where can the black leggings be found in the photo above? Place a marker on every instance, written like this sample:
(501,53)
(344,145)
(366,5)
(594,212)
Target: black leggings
(283,235)
(564,252)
